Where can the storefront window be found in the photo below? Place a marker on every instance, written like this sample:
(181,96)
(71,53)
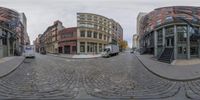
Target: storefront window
(74,49)
(82,47)
(100,47)
(181,33)
(194,34)
(194,50)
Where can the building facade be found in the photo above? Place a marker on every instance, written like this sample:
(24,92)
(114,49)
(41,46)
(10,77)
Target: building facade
(68,41)
(11,32)
(51,37)
(171,33)
(23,19)
(95,31)
(90,36)
(135,42)
(36,43)
(136,37)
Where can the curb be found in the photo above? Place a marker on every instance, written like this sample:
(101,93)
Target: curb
(164,77)
(13,69)
(72,57)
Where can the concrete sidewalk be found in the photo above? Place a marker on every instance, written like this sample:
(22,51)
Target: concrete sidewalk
(75,56)
(9,64)
(168,71)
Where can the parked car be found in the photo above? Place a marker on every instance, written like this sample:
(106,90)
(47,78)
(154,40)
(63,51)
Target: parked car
(132,51)
(110,50)
(43,52)
(29,51)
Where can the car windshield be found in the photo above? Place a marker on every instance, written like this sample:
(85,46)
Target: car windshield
(28,48)
(99,50)
(106,50)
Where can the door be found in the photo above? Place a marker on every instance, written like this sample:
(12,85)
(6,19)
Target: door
(169,42)
(182,51)
(60,50)
(67,49)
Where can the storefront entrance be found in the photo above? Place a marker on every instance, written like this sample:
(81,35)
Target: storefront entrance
(169,42)
(182,51)
(67,49)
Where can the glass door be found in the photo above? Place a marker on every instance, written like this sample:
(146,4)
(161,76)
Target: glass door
(182,51)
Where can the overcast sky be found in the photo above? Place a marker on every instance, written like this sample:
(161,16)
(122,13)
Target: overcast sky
(42,13)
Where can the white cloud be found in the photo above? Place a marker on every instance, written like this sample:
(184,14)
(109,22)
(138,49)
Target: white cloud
(41,13)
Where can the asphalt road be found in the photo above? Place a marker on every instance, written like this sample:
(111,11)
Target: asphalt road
(116,78)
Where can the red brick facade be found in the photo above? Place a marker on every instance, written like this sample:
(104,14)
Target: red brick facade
(165,14)
(68,41)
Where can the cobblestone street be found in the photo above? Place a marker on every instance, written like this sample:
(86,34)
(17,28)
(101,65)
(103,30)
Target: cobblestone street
(116,78)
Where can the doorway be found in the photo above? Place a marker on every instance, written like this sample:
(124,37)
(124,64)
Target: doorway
(169,42)
(67,49)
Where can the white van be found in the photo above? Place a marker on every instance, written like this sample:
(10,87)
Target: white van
(29,51)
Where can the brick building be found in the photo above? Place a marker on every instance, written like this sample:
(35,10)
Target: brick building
(171,33)
(68,41)
(12,30)
(51,37)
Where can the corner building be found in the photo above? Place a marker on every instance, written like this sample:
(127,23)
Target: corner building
(11,33)
(171,33)
(95,31)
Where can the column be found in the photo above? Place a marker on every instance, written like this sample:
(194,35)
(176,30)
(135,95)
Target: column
(63,49)
(97,35)
(86,45)
(1,48)
(163,34)
(199,48)
(92,34)
(199,45)
(175,43)
(188,42)
(78,47)
(155,44)
(8,43)
(97,47)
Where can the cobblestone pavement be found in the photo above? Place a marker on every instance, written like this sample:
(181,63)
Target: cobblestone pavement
(115,78)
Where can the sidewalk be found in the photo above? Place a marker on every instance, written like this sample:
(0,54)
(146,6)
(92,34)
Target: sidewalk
(168,71)
(75,56)
(9,64)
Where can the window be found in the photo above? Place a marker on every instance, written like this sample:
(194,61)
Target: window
(74,49)
(4,41)
(169,30)
(82,46)
(104,37)
(95,34)
(181,33)
(160,36)
(82,33)
(108,38)
(89,34)
(100,36)
(169,18)
(158,22)
(95,26)
(180,50)
(100,28)
(67,35)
